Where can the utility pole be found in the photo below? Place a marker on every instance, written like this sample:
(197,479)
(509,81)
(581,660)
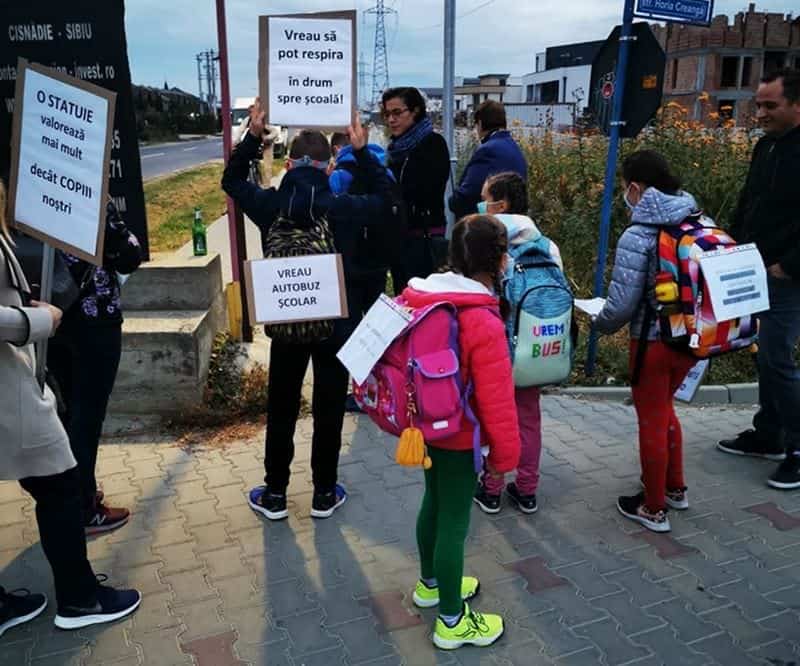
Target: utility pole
(235,218)
(380,64)
(447,96)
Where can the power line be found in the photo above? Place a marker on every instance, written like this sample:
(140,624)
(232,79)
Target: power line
(460,16)
(380,62)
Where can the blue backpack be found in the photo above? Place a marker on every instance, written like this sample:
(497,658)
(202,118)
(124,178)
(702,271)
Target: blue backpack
(541,330)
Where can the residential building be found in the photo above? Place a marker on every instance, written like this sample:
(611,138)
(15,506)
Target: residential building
(726,61)
(471,91)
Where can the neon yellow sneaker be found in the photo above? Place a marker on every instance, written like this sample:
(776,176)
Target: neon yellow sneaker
(428,597)
(473,628)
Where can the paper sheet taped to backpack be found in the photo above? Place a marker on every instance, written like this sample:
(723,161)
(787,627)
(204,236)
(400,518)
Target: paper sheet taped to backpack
(737,281)
(543,351)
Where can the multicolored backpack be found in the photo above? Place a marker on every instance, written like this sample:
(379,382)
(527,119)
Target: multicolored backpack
(416,390)
(692,325)
(286,239)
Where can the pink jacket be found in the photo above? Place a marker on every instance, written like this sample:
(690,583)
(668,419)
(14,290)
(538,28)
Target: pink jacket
(484,360)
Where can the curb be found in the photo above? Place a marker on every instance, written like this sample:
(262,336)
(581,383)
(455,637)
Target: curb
(730,394)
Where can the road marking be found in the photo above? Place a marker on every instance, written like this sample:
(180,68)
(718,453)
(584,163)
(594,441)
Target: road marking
(144,157)
(185,150)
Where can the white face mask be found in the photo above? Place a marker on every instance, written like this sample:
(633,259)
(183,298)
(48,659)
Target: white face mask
(626,200)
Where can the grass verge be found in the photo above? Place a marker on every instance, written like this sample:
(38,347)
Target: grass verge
(171,201)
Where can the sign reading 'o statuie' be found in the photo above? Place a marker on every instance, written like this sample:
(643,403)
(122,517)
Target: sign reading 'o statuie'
(60,148)
(307,69)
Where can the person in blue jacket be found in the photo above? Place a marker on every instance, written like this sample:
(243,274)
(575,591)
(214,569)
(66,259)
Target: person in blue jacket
(497,152)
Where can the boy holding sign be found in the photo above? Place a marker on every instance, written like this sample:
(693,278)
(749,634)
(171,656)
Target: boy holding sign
(304,197)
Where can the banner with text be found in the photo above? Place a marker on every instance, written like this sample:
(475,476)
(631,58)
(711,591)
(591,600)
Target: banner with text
(59,152)
(84,39)
(307,69)
(309,288)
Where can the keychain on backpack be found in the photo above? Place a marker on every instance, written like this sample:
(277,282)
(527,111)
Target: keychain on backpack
(411,450)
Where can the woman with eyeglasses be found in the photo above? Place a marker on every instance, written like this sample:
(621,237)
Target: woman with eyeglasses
(420,162)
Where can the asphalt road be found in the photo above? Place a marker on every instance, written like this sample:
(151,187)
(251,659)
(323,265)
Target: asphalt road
(161,159)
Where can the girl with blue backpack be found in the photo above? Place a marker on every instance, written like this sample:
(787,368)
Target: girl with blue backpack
(505,197)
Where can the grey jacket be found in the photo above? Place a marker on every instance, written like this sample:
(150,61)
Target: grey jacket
(636,261)
(32,439)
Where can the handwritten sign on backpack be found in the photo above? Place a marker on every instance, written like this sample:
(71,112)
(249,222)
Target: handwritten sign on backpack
(291,289)
(307,69)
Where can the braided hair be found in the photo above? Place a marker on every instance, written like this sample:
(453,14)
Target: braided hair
(479,245)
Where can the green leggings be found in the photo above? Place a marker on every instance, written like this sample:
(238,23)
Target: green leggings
(443,523)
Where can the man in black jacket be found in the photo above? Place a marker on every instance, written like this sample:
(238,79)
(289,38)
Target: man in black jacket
(303,196)
(768,215)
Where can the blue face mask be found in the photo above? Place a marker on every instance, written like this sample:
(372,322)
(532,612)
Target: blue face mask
(483,208)
(626,200)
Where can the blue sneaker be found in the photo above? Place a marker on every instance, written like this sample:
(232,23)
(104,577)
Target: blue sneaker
(109,605)
(324,504)
(270,505)
(18,607)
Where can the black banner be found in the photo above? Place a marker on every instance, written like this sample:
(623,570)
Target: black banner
(85,39)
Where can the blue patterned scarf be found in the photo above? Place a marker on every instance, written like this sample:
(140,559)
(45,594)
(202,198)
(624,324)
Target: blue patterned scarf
(406,142)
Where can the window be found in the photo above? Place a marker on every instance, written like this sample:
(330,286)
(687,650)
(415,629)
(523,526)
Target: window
(529,93)
(774,60)
(730,72)
(747,72)
(675,74)
(548,92)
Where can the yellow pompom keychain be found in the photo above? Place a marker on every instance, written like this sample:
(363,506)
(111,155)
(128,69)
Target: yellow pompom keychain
(411,450)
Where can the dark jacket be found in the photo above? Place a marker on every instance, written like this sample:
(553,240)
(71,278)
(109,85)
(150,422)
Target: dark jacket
(99,302)
(768,213)
(498,152)
(423,175)
(305,193)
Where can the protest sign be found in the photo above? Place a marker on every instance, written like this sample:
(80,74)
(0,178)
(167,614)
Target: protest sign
(691,383)
(61,141)
(307,69)
(287,289)
(384,321)
(85,39)
(736,280)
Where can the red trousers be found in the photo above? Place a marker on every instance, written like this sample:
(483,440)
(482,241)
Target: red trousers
(660,438)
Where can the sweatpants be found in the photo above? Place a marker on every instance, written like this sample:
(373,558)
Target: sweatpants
(529,417)
(287,368)
(660,438)
(443,523)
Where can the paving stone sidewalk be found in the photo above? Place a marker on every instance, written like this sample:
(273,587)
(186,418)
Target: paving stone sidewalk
(576,583)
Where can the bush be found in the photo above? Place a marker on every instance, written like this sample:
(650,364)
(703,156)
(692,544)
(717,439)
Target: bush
(565,179)
(234,390)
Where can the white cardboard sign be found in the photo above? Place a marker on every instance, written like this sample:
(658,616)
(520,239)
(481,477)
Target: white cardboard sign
(737,281)
(307,69)
(688,388)
(60,146)
(307,288)
(384,321)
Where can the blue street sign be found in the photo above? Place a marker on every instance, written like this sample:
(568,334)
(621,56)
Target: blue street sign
(697,12)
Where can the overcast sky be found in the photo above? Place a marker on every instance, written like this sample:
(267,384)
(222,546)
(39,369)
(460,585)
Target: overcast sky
(491,35)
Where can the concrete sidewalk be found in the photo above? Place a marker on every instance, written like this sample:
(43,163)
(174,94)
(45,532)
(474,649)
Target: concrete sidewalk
(576,582)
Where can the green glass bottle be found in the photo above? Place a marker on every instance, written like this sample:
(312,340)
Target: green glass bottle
(199,240)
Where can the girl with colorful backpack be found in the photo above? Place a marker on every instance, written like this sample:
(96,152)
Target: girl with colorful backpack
(478,258)
(655,199)
(505,197)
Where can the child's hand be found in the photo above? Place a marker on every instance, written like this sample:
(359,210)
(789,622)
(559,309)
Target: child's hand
(491,471)
(257,119)
(357,133)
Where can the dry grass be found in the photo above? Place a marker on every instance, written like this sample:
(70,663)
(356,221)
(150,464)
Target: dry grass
(171,201)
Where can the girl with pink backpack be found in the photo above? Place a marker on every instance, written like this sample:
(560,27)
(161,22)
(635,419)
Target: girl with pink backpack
(477,257)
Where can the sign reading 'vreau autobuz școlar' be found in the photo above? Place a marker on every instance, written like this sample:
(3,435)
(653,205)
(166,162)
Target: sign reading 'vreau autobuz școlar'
(59,152)
(84,39)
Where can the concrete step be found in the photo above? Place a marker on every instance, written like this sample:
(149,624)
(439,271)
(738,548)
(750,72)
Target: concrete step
(165,359)
(168,282)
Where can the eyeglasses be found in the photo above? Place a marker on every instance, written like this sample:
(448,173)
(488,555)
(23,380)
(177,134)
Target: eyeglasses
(394,113)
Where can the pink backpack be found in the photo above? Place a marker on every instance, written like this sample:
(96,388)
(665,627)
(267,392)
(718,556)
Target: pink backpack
(417,382)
